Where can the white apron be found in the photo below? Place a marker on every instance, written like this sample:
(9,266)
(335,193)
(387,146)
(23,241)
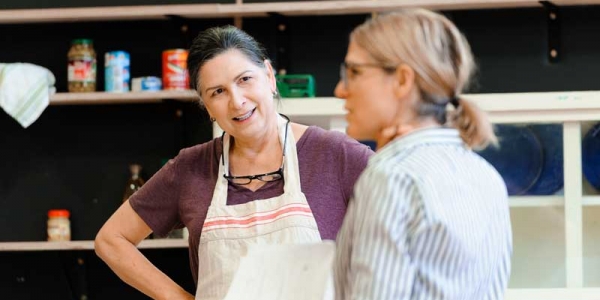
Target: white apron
(229,230)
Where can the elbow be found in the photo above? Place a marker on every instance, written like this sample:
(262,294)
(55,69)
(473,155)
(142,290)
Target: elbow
(100,244)
(103,244)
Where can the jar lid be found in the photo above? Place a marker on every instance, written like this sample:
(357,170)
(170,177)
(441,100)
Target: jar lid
(58,213)
(82,42)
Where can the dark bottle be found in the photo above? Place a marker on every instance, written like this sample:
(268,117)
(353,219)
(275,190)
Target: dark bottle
(135,182)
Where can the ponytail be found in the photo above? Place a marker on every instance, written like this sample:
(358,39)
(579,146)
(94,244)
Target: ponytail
(473,124)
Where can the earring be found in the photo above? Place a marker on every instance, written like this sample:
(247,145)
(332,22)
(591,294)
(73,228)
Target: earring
(212,119)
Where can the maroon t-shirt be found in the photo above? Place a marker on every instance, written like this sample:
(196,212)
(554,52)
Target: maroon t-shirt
(180,193)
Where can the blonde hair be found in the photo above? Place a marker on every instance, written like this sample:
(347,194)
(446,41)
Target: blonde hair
(442,60)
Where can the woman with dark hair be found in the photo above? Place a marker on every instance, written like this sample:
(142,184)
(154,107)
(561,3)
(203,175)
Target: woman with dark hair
(265,181)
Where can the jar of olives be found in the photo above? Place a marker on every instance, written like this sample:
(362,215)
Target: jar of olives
(82,66)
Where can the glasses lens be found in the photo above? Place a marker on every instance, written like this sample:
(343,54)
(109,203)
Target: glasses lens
(270,177)
(240,180)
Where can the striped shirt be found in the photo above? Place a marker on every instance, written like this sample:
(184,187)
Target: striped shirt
(429,220)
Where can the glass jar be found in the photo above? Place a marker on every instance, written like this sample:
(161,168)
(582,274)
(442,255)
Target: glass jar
(59,226)
(82,66)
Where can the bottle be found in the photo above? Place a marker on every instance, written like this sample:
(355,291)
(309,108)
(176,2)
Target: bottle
(135,182)
(82,66)
(59,226)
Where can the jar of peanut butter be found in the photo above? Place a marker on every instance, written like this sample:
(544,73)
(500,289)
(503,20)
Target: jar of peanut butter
(59,226)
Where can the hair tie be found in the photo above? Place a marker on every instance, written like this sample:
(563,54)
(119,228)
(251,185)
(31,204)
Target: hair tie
(454,101)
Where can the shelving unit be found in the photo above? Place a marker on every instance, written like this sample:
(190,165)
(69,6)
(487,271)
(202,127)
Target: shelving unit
(304,8)
(571,109)
(97,98)
(86,245)
(565,213)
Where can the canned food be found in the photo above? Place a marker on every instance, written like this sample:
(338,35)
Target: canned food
(175,75)
(116,71)
(149,83)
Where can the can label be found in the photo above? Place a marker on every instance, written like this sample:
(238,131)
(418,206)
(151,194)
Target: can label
(149,83)
(116,71)
(175,74)
(82,69)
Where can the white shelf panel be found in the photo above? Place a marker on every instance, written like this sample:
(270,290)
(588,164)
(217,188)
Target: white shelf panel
(86,245)
(549,107)
(552,107)
(312,107)
(536,201)
(553,294)
(97,98)
(591,200)
(295,8)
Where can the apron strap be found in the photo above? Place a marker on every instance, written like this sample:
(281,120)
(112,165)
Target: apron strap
(291,175)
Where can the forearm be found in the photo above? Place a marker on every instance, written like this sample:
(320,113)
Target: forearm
(135,269)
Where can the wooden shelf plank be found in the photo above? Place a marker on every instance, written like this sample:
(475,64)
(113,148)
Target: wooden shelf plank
(97,98)
(312,107)
(548,107)
(536,201)
(553,294)
(331,7)
(591,200)
(86,245)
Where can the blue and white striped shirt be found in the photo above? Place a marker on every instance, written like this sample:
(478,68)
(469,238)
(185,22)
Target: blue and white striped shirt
(429,220)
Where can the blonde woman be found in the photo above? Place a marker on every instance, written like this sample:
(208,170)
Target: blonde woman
(429,218)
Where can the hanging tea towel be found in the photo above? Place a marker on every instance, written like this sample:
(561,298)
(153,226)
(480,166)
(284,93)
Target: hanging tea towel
(25,91)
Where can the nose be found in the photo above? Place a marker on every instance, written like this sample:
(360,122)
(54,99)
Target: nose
(340,90)
(237,98)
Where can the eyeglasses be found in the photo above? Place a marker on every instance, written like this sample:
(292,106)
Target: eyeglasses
(266,177)
(344,66)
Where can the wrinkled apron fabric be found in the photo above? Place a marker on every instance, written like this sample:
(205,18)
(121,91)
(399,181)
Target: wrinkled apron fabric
(229,231)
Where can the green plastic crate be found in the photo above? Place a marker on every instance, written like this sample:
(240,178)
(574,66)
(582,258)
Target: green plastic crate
(296,86)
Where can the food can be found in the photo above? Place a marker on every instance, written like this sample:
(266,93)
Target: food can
(175,74)
(148,83)
(116,71)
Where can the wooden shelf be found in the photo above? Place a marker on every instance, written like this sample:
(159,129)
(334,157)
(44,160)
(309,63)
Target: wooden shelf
(536,201)
(553,294)
(547,107)
(591,200)
(98,98)
(312,107)
(295,8)
(86,245)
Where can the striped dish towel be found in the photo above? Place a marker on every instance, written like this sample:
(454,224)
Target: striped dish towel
(25,91)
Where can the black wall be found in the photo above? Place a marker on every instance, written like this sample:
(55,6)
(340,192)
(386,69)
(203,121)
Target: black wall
(76,157)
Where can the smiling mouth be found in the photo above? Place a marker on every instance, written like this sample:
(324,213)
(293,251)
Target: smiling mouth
(245,116)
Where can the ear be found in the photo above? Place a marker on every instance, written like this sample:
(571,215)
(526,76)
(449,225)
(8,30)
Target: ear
(271,76)
(405,81)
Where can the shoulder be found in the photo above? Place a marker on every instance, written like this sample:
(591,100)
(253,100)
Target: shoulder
(208,151)
(330,140)
(199,160)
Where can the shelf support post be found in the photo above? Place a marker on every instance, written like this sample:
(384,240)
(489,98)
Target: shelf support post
(573,204)
(553,25)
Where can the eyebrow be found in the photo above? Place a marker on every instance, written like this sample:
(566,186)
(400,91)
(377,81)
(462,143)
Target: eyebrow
(235,78)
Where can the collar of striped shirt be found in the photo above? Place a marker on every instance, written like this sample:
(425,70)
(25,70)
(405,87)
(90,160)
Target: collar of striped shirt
(430,135)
